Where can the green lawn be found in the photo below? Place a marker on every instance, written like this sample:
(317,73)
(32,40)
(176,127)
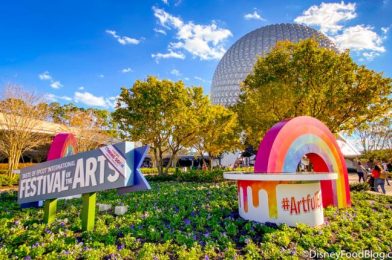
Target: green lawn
(187,221)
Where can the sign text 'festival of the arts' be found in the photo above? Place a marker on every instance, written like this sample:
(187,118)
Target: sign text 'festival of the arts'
(108,167)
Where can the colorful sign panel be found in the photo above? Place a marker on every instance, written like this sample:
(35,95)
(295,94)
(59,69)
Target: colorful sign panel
(105,168)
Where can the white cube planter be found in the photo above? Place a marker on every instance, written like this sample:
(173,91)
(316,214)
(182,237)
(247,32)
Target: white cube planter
(104,207)
(120,210)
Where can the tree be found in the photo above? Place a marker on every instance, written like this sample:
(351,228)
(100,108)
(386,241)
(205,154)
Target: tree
(92,127)
(164,114)
(189,123)
(21,114)
(305,79)
(219,133)
(376,135)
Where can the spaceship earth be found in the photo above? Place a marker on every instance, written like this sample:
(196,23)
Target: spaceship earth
(239,60)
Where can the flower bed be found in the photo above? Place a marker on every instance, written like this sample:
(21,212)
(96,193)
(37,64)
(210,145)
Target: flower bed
(188,221)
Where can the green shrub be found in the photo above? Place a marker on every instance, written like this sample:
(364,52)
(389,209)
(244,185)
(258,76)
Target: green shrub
(190,176)
(364,186)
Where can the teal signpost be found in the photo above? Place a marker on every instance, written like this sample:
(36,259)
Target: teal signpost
(108,167)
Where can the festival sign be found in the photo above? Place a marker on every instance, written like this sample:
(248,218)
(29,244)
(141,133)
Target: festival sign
(277,193)
(108,167)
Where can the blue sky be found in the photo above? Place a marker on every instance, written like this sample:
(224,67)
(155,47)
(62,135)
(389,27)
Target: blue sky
(85,51)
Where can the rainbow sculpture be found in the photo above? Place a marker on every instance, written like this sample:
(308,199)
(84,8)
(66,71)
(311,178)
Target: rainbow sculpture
(63,144)
(277,193)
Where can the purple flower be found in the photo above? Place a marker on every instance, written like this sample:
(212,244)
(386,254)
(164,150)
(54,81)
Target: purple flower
(27,257)
(120,247)
(206,257)
(187,221)
(207,234)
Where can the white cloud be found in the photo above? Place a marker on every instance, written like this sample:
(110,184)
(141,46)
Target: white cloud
(161,31)
(85,98)
(327,16)
(201,79)
(170,54)
(175,72)
(126,70)
(202,41)
(101,76)
(370,55)
(90,99)
(45,76)
(56,84)
(385,30)
(176,3)
(253,16)
(361,39)
(53,83)
(54,98)
(123,40)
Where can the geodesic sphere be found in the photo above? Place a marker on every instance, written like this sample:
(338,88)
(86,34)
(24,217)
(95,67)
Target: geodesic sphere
(239,60)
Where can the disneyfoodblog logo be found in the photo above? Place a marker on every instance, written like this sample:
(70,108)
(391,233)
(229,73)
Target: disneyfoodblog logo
(369,254)
(303,205)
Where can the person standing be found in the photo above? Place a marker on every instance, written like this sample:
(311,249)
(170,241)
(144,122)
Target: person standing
(379,176)
(361,171)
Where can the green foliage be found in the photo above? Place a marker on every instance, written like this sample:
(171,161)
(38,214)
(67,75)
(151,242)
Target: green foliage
(364,186)
(188,221)
(384,155)
(190,176)
(164,114)
(219,133)
(302,78)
